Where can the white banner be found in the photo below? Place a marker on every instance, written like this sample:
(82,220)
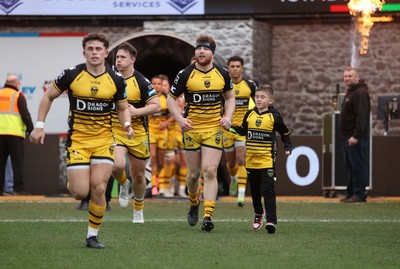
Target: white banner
(37,61)
(101,7)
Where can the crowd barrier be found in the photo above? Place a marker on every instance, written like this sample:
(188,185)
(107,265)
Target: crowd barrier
(300,174)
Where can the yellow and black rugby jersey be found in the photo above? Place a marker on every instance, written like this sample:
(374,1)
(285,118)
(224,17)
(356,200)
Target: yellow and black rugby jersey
(203,95)
(91,99)
(244,90)
(260,129)
(139,92)
(157,118)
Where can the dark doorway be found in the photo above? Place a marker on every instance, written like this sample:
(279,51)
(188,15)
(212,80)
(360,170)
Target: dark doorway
(158,54)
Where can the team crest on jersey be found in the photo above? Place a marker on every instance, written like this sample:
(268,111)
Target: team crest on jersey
(218,138)
(207,84)
(270,172)
(146,145)
(237,92)
(94,90)
(111,149)
(258,122)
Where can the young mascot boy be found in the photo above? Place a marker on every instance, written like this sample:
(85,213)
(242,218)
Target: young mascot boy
(261,124)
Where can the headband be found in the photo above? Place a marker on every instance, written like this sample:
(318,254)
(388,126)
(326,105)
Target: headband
(205,44)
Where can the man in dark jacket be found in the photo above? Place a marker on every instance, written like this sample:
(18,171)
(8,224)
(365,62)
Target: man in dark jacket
(354,128)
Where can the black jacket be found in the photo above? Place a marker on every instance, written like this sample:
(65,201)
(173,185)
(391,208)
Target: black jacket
(355,112)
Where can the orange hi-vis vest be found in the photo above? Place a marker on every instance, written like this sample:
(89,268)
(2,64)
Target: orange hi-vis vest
(10,118)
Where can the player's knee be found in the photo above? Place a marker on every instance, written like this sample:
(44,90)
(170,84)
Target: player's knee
(240,161)
(210,172)
(153,158)
(169,155)
(78,195)
(139,178)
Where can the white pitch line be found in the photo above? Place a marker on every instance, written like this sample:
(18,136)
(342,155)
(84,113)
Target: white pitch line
(216,220)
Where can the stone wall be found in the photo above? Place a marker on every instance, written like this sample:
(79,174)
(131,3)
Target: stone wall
(308,61)
(304,62)
(262,56)
(233,37)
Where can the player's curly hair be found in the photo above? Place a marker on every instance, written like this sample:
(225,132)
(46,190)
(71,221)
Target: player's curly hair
(96,37)
(207,38)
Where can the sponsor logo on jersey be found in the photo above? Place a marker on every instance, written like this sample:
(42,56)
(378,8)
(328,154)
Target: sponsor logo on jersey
(241,102)
(263,136)
(206,97)
(91,106)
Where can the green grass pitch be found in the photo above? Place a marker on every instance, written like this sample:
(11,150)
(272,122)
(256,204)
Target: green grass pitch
(39,234)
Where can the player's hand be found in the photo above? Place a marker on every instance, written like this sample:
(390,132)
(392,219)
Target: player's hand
(163,125)
(129,132)
(37,136)
(132,110)
(185,124)
(225,122)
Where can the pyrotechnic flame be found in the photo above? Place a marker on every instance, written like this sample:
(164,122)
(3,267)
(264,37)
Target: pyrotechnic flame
(363,10)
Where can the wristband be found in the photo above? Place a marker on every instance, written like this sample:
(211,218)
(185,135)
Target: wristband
(127,124)
(39,124)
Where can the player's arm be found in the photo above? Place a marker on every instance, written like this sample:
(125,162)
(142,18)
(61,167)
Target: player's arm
(167,122)
(229,108)
(175,110)
(242,129)
(149,96)
(37,135)
(177,88)
(151,107)
(124,117)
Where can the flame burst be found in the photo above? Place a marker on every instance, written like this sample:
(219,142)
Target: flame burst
(363,10)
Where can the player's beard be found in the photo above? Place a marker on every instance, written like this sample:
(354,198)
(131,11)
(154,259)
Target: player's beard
(204,61)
